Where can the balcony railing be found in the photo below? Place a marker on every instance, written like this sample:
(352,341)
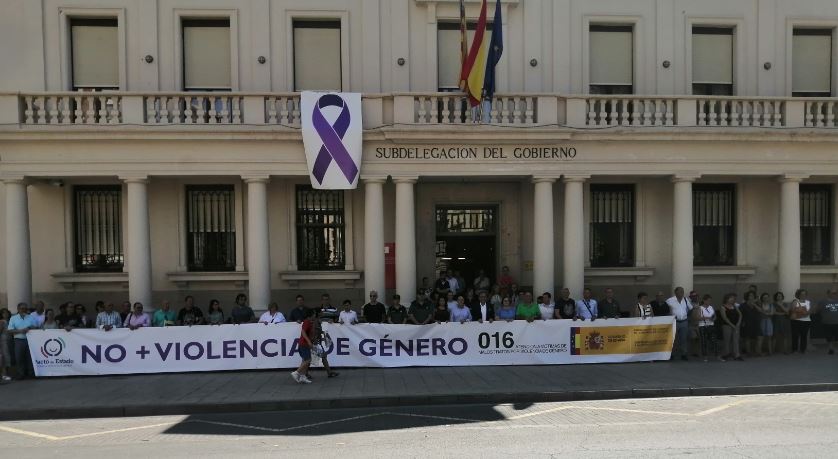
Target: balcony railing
(421,109)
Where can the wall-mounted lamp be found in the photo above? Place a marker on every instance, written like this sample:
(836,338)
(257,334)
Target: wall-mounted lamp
(148,58)
(400,61)
(261,59)
(533,62)
(666,64)
(766,66)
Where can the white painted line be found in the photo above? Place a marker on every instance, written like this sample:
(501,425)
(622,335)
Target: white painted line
(430,416)
(28,433)
(721,408)
(127,429)
(537,413)
(286,429)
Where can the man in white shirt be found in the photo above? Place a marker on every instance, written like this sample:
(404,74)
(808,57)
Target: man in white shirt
(586,308)
(38,315)
(348,316)
(680,307)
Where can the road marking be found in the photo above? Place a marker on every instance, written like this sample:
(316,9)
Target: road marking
(127,429)
(286,429)
(627,410)
(91,434)
(538,413)
(444,418)
(721,408)
(28,433)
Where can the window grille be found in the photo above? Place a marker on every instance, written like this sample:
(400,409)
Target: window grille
(815,224)
(211,228)
(713,225)
(612,225)
(320,229)
(98,228)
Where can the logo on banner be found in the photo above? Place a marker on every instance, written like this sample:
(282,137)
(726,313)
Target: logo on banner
(332,138)
(53,347)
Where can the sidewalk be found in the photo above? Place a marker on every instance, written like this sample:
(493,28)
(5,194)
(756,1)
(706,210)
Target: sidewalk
(189,393)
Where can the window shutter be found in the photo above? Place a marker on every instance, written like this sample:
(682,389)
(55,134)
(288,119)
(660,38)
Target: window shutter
(814,207)
(812,61)
(95,48)
(317,56)
(713,57)
(611,55)
(713,208)
(612,206)
(206,55)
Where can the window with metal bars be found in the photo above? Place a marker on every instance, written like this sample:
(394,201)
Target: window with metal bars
(465,220)
(714,225)
(612,225)
(320,229)
(815,224)
(97,214)
(211,228)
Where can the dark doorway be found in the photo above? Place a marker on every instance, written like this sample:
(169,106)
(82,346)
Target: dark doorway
(466,237)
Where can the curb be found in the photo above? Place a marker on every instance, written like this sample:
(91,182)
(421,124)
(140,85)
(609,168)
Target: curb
(396,401)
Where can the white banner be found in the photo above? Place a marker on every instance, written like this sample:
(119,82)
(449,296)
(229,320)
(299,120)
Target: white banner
(258,346)
(333,138)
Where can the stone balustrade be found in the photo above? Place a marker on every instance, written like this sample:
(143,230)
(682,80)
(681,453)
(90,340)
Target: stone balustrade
(282,110)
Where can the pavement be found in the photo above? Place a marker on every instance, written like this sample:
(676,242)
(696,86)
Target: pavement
(754,426)
(253,391)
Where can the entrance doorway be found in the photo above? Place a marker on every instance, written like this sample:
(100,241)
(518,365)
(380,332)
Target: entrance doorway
(466,240)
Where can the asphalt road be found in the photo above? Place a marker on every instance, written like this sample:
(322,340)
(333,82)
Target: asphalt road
(764,426)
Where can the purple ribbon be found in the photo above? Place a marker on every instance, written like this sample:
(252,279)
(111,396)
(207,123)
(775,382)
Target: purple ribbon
(332,137)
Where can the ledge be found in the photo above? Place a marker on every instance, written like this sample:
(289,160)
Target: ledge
(638,272)
(182,279)
(295,277)
(820,269)
(71,280)
(740,272)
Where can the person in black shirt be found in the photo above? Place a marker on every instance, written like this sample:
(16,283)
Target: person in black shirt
(242,313)
(189,314)
(565,306)
(298,314)
(421,310)
(659,306)
(609,308)
(442,286)
(68,319)
(397,313)
(374,312)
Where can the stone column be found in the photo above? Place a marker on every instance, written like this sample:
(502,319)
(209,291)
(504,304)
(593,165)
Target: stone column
(788,259)
(374,235)
(405,238)
(544,258)
(18,256)
(139,242)
(682,232)
(574,234)
(258,243)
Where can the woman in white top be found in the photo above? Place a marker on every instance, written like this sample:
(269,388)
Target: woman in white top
(707,328)
(272,315)
(800,321)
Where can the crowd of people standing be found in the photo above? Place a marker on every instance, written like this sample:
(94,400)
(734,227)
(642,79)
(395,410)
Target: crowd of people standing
(759,325)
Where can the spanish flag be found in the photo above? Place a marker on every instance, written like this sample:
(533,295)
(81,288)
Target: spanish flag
(474,67)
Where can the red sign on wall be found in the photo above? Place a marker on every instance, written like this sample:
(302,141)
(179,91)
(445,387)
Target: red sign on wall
(389,266)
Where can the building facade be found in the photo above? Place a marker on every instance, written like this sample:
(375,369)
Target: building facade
(152,149)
